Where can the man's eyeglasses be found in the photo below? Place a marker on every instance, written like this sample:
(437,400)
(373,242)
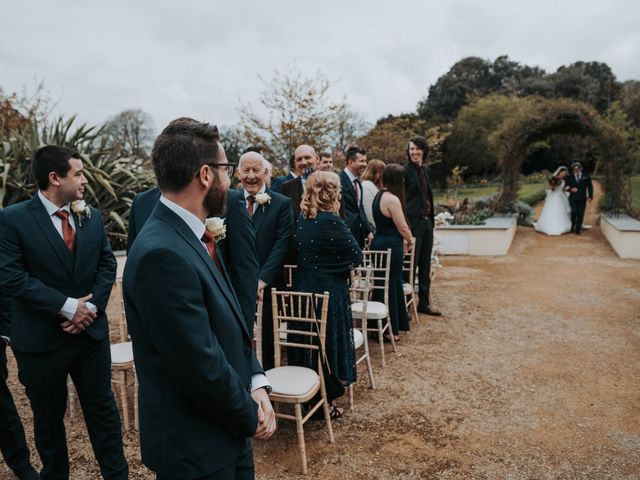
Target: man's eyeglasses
(230,168)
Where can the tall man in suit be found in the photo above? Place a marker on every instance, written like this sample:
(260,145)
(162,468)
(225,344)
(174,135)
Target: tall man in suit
(238,248)
(203,394)
(58,268)
(354,214)
(273,222)
(12,441)
(580,193)
(419,199)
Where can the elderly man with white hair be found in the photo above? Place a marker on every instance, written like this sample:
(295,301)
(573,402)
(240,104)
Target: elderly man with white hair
(272,218)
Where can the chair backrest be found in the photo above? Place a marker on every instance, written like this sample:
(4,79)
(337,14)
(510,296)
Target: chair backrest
(378,262)
(299,319)
(408,262)
(289,273)
(360,288)
(116,315)
(257,330)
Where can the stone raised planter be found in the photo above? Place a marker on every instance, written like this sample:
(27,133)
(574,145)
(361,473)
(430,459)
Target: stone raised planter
(623,233)
(492,238)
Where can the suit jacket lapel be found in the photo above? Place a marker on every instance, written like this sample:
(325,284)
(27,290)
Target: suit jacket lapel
(221,278)
(51,234)
(258,217)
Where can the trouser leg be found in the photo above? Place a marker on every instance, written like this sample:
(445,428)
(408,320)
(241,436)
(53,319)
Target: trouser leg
(423,232)
(44,376)
(91,374)
(12,440)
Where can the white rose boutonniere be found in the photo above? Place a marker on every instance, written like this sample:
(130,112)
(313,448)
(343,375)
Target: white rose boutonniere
(81,209)
(217,228)
(263,199)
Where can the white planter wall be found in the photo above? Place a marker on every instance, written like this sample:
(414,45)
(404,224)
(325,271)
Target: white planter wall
(492,238)
(623,233)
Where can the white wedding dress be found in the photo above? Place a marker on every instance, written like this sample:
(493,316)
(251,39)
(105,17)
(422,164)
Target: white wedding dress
(555,218)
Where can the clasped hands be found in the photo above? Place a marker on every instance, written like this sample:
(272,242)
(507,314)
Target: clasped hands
(266,415)
(84,316)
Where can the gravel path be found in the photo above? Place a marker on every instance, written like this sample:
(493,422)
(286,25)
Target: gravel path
(533,372)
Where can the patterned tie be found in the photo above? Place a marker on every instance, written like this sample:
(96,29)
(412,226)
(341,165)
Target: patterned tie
(68,233)
(356,187)
(208,240)
(251,200)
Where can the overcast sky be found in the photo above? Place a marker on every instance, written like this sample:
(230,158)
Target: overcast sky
(201,58)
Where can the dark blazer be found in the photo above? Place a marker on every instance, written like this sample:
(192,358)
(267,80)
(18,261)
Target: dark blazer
(354,214)
(293,190)
(39,273)
(5,316)
(273,224)
(584,186)
(192,352)
(276,184)
(415,196)
(238,249)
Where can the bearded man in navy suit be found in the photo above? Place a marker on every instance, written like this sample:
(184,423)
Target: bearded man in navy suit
(203,395)
(273,223)
(57,267)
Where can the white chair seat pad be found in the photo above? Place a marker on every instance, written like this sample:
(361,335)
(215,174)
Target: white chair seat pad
(121,353)
(358,338)
(374,310)
(292,381)
(406,289)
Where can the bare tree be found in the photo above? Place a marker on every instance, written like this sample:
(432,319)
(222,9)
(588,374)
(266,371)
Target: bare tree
(298,110)
(130,133)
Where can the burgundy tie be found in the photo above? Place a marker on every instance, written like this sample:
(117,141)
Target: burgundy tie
(356,187)
(250,202)
(68,233)
(207,238)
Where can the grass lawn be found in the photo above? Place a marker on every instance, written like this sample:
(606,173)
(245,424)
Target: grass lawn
(526,189)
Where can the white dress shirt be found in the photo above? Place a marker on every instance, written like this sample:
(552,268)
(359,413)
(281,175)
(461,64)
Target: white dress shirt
(247,195)
(197,227)
(69,308)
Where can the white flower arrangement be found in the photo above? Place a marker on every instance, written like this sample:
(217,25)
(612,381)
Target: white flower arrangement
(217,228)
(81,209)
(263,199)
(443,219)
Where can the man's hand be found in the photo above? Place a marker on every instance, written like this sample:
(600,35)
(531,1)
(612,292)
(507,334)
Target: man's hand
(370,238)
(589,200)
(84,315)
(266,415)
(574,189)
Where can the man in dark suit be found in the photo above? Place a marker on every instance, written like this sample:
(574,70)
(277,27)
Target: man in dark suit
(12,441)
(305,161)
(57,267)
(420,213)
(276,184)
(354,214)
(273,223)
(203,394)
(238,248)
(580,193)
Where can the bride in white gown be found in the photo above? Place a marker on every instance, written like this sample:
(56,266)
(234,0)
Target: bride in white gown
(555,217)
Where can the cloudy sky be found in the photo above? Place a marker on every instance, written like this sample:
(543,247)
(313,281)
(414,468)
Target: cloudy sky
(202,58)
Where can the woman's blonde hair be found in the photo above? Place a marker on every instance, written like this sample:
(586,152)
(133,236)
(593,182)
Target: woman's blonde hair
(373,172)
(322,194)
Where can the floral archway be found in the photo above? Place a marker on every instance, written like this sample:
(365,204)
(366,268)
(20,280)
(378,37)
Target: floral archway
(568,117)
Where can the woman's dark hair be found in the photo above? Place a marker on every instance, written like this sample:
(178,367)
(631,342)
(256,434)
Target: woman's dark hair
(180,150)
(422,144)
(393,181)
(51,158)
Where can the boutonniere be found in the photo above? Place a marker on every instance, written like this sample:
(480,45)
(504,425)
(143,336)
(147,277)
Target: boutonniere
(81,209)
(217,228)
(263,199)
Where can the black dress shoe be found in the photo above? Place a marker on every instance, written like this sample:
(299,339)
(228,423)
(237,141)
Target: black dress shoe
(429,311)
(28,473)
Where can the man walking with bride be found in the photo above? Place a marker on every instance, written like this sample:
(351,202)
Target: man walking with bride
(561,214)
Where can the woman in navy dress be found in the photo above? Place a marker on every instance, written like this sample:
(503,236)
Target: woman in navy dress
(392,231)
(327,253)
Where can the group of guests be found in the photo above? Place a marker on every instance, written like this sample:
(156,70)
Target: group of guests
(190,291)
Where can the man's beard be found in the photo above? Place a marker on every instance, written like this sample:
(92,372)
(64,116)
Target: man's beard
(215,202)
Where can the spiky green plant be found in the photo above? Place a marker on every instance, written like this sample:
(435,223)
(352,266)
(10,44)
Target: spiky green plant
(113,180)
